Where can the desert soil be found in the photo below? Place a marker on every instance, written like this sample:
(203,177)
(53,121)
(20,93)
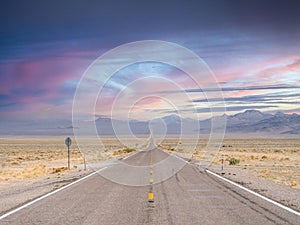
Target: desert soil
(31,167)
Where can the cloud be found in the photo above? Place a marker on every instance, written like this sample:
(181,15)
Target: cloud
(231,89)
(252,88)
(285,103)
(30,84)
(280,70)
(7,105)
(263,98)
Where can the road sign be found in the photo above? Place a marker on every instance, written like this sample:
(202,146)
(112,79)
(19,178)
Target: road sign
(68,141)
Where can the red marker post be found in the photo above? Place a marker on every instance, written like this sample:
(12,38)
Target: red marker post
(222,162)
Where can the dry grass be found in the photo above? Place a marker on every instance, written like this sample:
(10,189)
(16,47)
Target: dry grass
(22,158)
(276,159)
(288,177)
(263,152)
(36,171)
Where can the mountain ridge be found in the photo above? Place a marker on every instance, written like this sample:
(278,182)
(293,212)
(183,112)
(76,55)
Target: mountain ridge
(249,121)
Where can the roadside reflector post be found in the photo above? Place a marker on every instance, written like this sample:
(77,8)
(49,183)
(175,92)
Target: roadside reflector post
(222,162)
(68,143)
(84,162)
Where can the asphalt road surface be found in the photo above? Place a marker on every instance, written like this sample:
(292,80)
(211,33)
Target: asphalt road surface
(190,196)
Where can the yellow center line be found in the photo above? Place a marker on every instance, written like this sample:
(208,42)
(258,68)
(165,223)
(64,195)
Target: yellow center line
(151,179)
(150,197)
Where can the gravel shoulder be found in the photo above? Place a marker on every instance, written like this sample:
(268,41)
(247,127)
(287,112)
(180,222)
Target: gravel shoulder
(284,194)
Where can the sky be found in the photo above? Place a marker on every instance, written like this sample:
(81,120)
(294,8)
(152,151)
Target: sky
(251,47)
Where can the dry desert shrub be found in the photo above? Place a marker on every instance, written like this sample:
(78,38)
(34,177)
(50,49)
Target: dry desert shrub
(233,161)
(123,151)
(36,171)
(59,170)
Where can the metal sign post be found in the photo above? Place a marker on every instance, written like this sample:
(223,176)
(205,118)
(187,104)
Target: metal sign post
(68,142)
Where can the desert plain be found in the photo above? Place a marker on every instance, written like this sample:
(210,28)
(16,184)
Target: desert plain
(27,163)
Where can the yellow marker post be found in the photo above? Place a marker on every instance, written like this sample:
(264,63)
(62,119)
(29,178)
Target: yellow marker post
(151,180)
(150,197)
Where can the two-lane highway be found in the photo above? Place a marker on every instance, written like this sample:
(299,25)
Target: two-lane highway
(190,196)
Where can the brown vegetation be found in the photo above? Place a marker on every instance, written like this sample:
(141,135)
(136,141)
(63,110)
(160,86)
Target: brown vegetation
(276,159)
(269,158)
(22,158)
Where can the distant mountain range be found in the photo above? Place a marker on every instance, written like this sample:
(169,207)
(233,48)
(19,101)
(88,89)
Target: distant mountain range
(248,122)
(253,121)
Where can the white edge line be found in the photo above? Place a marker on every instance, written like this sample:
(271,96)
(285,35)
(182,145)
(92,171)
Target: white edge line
(47,195)
(132,154)
(256,194)
(179,157)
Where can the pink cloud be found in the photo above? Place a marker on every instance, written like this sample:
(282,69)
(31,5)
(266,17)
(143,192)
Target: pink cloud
(295,65)
(146,103)
(258,70)
(39,78)
(41,86)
